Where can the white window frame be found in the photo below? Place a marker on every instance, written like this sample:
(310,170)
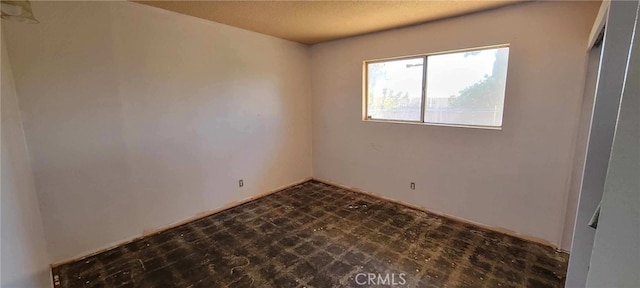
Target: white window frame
(365,88)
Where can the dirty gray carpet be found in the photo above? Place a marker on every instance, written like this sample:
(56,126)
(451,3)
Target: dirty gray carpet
(317,235)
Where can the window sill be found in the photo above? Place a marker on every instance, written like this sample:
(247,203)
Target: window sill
(433,124)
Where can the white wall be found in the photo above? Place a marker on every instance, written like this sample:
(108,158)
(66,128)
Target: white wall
(615,260)
(137,117)
(518,178)
(25,262)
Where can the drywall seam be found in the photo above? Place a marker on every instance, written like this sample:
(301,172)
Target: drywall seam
(197,216)
(26,147)
(310,117)
(46,256)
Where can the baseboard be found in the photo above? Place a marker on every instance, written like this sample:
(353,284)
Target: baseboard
(452,217)
(198,216)
(230,205)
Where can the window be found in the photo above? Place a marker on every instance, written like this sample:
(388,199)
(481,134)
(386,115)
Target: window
(461,88)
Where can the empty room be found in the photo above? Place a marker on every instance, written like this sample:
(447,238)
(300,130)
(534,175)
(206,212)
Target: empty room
(320,144)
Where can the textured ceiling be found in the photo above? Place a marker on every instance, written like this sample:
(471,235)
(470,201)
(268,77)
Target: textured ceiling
(311,22)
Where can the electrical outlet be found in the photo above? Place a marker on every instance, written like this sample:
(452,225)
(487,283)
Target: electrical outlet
(240,183)
(413,186)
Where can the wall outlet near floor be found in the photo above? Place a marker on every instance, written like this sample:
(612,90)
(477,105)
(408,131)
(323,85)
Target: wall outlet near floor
(240,183)
(413,186)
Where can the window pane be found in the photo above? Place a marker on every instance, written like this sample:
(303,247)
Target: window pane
(394,89)
(467,88)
